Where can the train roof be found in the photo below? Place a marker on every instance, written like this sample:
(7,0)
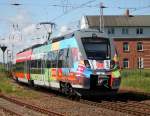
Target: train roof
(34,46)
(59,38)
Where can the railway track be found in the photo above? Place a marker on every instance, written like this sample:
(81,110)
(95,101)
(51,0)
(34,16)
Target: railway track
(123,102)
(120,104)
(10,112)
(29,106)
(126,108)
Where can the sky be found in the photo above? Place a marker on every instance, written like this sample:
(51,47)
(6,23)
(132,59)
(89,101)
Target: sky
(19,24)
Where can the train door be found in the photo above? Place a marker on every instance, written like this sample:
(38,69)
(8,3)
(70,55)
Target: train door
(27,70)
(41,72)
(44,72)
(67,62)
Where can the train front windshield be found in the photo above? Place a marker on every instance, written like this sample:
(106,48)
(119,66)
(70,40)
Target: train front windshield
(97,48)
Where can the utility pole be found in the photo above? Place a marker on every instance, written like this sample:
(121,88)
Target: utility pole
(15,27)
(8,60)
(101,21)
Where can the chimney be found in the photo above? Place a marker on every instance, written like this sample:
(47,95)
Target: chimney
(127,13)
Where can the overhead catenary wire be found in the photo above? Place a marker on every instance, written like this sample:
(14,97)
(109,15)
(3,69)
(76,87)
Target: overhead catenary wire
(72,7)
(80,6)
(68,5)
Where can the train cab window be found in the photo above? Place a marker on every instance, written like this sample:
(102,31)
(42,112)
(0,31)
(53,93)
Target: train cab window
(97,49)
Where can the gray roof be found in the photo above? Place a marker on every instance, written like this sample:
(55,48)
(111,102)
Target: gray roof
(120,21)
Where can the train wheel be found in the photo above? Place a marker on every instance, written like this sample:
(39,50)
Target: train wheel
(63,88)
(67,89)
(31,83)
(70,90)
(16,79)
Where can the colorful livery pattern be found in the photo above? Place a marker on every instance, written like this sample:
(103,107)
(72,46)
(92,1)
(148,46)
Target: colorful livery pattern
(83,60)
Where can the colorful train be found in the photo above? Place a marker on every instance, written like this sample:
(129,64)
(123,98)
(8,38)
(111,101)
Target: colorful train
(84,61)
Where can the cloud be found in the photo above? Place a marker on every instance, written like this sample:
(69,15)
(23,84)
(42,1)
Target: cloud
(65,30)
(24,30)
(29,30)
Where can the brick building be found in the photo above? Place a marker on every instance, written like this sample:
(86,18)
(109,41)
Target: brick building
(131,35)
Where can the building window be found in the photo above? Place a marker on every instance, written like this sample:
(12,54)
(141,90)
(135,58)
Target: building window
(125,46)
(140,62)
(125,63)
(111,31)
(139,31)
(139,46)
(124,30)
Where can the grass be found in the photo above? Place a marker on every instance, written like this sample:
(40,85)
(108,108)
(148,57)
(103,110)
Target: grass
(131,79)
(136,80)
(7,86)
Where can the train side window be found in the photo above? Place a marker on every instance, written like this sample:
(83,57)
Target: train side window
(33,64)
(20,67)
(74,52)
(49,59)
(66,58)
(54,59)
(39,64)
(70,58)
(35,71)
(61,58)
(48,62)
